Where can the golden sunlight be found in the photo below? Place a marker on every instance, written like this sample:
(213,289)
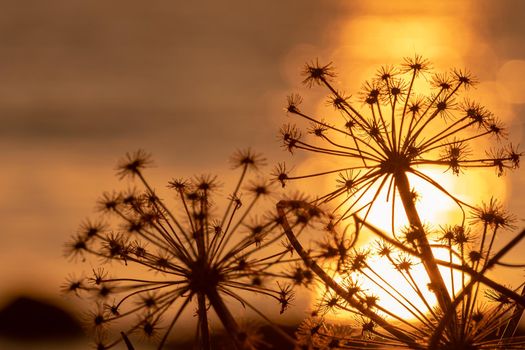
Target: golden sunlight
(434,206)
(412,33)
(511,81)
(387,34)
(405,295)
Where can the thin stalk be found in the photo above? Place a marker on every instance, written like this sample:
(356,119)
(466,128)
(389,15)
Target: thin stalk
(382,121)
(405,105)
(172,324)
(394,138)
(475,277)
(204,331)
(329,282)
(225,316)
(427,257)
(514,321)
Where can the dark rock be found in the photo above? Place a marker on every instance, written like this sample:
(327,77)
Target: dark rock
(32,320)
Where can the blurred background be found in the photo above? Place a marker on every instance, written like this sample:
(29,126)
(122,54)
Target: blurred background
(82,82)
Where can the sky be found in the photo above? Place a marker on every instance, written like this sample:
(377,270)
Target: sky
(83,82)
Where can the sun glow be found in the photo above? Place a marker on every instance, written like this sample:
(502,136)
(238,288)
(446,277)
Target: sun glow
(407,295)
(363,41)
(410,295)
(433,205)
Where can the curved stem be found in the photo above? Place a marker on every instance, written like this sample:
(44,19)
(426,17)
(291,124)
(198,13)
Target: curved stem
(329,282)
(479,276)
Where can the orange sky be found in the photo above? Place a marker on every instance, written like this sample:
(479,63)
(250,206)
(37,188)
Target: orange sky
(84,82)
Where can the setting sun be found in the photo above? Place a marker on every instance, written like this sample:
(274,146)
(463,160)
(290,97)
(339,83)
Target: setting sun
(397,150)
(289,175)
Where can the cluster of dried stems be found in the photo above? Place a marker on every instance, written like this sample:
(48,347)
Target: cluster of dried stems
(200,260)
(193,255)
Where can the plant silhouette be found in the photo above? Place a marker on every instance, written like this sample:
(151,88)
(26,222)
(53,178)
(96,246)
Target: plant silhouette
(400,132)
(197,256)
(176,259)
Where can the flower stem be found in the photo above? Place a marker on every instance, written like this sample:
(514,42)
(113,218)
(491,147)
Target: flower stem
(331,283)
(225,316)
(204,336)
(429,262)
(514,321)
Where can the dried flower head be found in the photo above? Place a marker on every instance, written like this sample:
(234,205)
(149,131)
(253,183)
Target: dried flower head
(398,132)
(316,74)
(189,256)
(133,163)
(404,313)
